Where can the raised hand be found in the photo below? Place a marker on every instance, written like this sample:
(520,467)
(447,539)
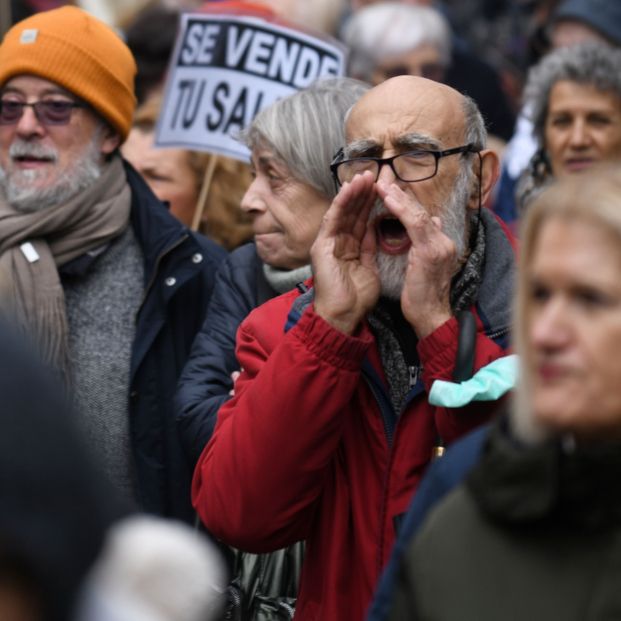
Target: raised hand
(432,262)
(343,256)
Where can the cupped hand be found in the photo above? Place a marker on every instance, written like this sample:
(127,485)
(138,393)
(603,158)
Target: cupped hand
(432,261)
(345,274)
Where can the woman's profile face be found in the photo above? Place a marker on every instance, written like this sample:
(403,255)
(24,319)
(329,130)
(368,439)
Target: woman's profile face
(573,328)
(286,213)
(167,171)
(583,127)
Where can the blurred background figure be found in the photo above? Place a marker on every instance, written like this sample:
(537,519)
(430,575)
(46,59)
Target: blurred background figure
(390,39)
(55,504)
(292,144)
(320,16)
(177,176)
(573,96)
(579,21)
(152,569)
(540,496)
(394,38)
(150,34)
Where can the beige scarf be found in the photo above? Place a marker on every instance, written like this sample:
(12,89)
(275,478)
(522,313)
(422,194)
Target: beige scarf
(34,245)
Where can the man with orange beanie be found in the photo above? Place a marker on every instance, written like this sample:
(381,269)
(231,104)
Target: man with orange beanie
(109,285)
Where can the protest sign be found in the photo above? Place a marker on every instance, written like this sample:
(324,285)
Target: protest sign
(226,68)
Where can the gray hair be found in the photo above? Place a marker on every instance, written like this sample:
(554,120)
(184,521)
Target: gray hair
(390,28)
(474,132)
(592,64)
(306,129)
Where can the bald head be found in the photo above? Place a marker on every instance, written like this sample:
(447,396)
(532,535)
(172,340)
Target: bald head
(409,105)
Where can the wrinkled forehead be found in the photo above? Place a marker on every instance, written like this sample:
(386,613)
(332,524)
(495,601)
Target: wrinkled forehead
(407,105)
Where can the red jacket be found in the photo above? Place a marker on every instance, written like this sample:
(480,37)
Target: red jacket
(306,449)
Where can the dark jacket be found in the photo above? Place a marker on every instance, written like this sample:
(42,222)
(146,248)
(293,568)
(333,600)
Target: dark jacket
(206,379)
(180,268)
(533,533)
(264,586)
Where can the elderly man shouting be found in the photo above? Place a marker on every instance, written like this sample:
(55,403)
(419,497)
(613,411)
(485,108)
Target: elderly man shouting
(331,428)
(109,284)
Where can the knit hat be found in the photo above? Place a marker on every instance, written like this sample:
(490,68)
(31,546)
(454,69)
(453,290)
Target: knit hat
(601,15)
(79,52)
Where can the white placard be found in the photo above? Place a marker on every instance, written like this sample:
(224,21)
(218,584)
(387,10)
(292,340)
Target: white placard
(226,68)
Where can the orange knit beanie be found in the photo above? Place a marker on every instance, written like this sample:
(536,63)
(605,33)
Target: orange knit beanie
(79,52)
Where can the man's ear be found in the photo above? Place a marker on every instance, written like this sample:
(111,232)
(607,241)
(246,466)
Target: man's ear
(111,140)
(488,168)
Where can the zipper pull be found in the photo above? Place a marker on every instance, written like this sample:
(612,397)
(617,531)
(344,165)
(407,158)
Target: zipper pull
(414,375)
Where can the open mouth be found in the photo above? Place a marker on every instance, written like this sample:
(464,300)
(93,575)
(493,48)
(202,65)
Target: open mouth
(392,238)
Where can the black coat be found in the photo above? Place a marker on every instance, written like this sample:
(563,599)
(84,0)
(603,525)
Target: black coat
(180,269)
(534,532)
(206,379)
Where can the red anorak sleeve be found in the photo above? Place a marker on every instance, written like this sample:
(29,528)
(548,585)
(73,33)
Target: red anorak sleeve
(274,443)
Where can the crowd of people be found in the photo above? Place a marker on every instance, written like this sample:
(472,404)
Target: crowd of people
(367,375)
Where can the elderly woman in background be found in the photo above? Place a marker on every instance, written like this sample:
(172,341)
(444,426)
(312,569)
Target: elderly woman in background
(573,96)
(390,39)
(534,532)
(387,39)
(177,175)
(292,144)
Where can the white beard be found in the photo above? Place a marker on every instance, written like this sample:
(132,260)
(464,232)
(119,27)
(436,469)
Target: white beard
(392,268)
(19,187)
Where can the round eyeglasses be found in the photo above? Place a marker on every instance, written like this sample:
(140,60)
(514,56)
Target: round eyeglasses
(47,111)
(410,166)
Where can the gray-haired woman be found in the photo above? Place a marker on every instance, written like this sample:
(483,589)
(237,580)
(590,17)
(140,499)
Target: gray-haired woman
(292,144)
(573,96)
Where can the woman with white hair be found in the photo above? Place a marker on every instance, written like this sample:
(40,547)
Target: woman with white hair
(390,38)
(523,520)
(396,38)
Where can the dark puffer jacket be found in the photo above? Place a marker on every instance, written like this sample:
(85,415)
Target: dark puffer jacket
(265,585)
(534,533)
(206,379)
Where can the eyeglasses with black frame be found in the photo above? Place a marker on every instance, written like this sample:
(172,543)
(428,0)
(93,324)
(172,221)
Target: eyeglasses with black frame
(47,111)
(411,166)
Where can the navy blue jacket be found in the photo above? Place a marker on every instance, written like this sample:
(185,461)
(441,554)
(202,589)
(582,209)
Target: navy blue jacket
(206,380)
(180,268)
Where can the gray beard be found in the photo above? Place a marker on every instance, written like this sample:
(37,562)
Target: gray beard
(392,268)
(19,187)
